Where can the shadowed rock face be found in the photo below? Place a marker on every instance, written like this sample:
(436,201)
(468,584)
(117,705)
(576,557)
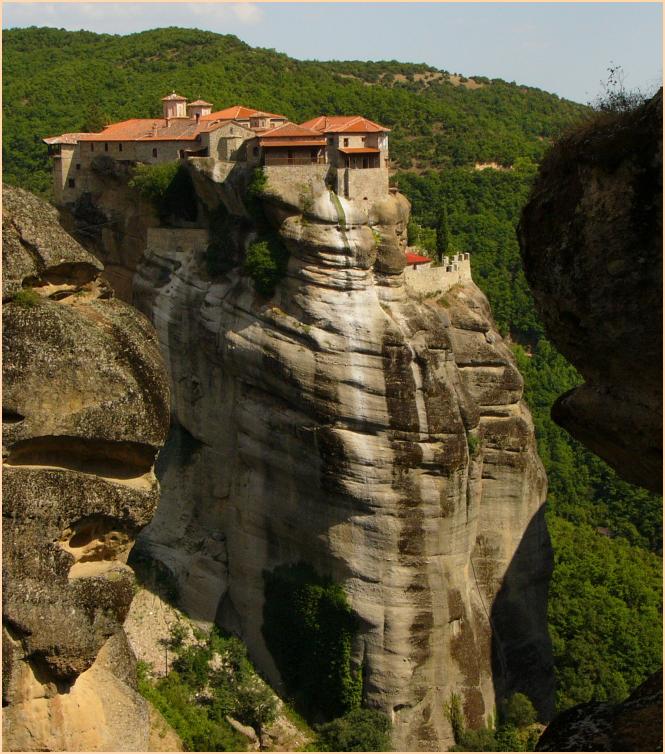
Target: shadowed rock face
(380,438)
(591,241)
(633,725)
(85,410)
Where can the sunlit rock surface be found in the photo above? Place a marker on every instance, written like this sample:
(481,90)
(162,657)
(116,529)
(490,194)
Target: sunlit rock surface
(381,438)
(85,410)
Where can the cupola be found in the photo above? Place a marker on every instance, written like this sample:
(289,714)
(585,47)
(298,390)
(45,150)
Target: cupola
(174,106)
(198,108)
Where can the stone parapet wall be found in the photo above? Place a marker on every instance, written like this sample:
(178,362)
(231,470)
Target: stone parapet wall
(299,178)
(368,183)
(170,240)
(431,280)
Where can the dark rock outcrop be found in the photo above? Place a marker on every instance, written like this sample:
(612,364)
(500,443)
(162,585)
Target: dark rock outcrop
(591,241)
(85,410)
(633,725)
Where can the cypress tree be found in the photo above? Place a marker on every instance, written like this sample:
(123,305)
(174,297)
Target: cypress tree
(443,234)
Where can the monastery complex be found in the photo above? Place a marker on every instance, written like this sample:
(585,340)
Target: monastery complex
(349,151)
(238,134)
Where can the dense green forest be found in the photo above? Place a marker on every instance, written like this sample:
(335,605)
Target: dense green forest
(605,596)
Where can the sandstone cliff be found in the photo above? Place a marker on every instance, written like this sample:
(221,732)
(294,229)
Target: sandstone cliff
(85,410)
(591,239)
(379,437)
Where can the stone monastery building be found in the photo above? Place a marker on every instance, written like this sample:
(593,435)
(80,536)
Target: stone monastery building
(346,144)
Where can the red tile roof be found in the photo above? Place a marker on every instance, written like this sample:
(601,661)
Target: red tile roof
(412,258)
(292,130)
(346,124)
(72,138)
(199,103)
(174,97)
(359,150)
(294,144)
(147,129)
(238,112)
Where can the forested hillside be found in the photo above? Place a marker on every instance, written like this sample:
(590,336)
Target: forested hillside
(56,81)
(605,595)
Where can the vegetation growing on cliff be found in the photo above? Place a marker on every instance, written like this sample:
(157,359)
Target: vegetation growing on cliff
(516,728)
(209,679)
(266,263)
(358,730)
(308,626)
(169,187)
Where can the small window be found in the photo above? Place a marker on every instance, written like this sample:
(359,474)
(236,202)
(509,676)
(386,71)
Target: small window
(346,142)
(78,165)
(256,151)
(106,147)
(154,152)
(119,147)
(231,131)
(71,183)
(330,140)
(92,147)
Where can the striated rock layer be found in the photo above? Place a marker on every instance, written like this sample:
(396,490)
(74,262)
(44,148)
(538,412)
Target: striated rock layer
(380,438)
(85,409)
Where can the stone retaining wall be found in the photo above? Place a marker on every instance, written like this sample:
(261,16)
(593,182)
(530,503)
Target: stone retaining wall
(431,280)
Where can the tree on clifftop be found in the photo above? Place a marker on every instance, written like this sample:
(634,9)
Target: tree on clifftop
(442,234)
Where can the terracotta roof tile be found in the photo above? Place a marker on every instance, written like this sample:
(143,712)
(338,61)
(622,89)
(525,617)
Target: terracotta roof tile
(294,144)
(292,130)
(344,124)
(412,258)
(72,138)
(200,103)
(359,150)
(174,97)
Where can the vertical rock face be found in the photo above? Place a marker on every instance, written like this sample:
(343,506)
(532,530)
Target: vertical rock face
(85,410)
(380,438)
(591,237)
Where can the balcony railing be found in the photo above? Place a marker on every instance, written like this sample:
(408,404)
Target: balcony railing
(269,161)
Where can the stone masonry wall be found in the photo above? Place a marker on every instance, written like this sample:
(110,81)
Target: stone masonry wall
(456,269)
(296,178)
(370,183)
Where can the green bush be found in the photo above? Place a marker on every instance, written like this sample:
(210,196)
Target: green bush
(358,730)
(153,181)
(266,263)
(27,297)
(519,711)
(169,187)
(309,627)
(209,680)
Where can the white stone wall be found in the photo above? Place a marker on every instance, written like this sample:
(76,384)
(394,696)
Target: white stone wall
(432,280)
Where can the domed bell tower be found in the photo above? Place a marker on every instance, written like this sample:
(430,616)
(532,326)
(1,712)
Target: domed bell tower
(174,106)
